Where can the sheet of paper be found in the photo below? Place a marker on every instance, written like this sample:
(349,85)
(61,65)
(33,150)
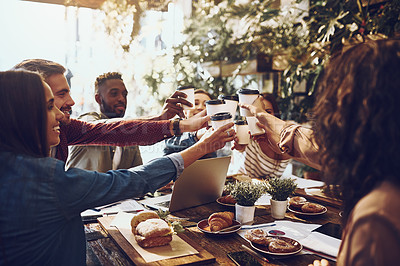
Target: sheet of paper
(177,248)
(128,205)
(322,243)
(306,183)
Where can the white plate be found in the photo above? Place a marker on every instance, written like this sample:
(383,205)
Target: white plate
(204,227)
(308,213)
(225,204)
(264,249)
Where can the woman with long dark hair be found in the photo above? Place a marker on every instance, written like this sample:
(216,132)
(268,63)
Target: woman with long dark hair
(40,222)
(355,141)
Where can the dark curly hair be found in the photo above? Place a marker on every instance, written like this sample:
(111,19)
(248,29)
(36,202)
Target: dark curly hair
(357,125)
(104,77)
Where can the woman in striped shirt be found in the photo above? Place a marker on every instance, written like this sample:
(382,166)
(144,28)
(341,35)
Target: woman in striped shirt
(257,159)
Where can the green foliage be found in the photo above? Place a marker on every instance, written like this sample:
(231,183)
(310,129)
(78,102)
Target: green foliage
(281,188)
(176,225)
(246,193)
(225,32)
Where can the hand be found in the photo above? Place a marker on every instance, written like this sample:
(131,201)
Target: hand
(213,140)
(173,106)
(254,109)
(322,262)
(237,146)
(194,123)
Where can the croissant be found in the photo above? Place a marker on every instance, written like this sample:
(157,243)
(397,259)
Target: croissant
(220,220)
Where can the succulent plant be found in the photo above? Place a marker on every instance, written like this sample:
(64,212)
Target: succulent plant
(246,193)
(280,188)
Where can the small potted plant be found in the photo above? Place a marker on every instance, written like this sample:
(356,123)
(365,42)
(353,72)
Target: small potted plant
(280,189)
(246,194)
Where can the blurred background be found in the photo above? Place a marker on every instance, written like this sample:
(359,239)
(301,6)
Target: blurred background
(275,46)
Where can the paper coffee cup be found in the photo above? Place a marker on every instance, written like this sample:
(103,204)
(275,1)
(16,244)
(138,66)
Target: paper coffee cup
(254,129)
(242,132)
(215,106)
(220,119)
(248,97)
(189,91)
(231,102)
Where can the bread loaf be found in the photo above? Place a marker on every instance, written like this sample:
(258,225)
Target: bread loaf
(140,217)
(150,231)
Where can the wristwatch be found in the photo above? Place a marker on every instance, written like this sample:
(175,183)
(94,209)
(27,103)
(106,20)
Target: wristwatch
(175,127)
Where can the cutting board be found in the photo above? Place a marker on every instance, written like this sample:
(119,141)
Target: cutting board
(202,257)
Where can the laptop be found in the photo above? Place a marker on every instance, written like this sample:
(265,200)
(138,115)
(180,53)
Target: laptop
(200,183)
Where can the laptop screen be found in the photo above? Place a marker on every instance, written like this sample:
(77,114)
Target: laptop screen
(200,183)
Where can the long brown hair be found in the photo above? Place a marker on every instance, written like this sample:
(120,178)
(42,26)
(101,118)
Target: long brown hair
(23,116)
(357,119)
(269,97)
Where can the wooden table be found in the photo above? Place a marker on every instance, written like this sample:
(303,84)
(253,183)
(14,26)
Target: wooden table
(102,250)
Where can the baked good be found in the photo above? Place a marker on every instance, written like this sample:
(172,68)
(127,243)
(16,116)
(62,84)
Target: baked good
(312,208)
(150,230)
(140,217)
(281,246)
(220,220)
(228,199)
(297,202)
(258,236)
(153,232)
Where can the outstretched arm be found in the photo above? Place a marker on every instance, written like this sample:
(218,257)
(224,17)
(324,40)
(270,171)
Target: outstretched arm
(288,138)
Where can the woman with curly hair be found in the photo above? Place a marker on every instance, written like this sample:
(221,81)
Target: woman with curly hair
(355,142)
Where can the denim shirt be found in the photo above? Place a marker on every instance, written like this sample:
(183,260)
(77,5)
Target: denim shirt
(182,142)
(40,221)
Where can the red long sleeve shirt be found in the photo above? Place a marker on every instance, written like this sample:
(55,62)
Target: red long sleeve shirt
(122,133)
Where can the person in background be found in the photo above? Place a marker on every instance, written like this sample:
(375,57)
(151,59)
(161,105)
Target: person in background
(258,159)
(122,133)
(111,95)
(187,139)
(355,141)
(41,202)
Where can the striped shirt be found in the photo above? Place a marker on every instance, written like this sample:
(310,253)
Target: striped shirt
(258,164)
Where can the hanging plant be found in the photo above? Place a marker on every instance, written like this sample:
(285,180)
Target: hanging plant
(122,18)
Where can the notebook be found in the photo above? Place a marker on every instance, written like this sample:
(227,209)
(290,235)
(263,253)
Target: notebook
(200,183)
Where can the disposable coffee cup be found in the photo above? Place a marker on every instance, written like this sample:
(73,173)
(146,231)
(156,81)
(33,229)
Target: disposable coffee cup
(254,129)
(242,131)
(189,91)
(248,97)
(215,106)
(220,119)
(231,102)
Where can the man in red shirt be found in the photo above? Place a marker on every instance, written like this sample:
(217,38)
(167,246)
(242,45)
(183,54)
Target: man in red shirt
(124,133)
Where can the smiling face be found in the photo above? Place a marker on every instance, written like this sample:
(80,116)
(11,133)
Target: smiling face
(62,97)
(54,116)
(199,104)
(111,97)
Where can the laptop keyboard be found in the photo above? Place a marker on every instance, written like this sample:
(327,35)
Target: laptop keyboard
(163,204)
